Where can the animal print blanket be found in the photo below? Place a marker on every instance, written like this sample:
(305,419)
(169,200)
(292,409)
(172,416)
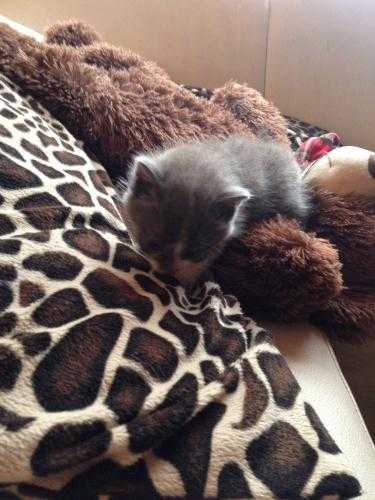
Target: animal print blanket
(113,382)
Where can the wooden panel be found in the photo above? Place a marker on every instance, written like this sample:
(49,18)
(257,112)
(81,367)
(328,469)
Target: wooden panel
(321,64)
(202,42)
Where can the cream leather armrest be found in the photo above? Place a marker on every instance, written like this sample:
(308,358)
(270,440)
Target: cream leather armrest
(314,364)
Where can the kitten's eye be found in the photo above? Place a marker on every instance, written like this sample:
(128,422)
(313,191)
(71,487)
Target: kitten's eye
(154,247)
(223,210)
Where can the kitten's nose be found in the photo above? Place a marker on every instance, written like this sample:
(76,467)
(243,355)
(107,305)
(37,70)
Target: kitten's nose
(166,264)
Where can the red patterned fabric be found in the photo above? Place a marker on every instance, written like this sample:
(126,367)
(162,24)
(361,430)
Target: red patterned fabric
(316,147)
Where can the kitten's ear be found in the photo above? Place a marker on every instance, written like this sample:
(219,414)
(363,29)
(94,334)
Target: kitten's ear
(226,207)
(144,179)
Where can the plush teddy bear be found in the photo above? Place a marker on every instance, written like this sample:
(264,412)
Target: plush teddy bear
(342,169)
(119,103)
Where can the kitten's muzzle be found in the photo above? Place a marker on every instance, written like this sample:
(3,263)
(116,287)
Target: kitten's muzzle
(166,265)
(186,271)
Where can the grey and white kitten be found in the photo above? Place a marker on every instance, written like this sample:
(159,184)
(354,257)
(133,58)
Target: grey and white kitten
(184,203)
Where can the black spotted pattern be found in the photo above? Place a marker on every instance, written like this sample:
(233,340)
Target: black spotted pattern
(61,308)
(157,356)
(282,459)
(210,371)
(33,491)
(33,149)
(8,322)
(227,343)
(10,368)
(4,132)
(36,343)
(69,351)
(89,242)
(12,176)
(29,293)
(6,295)
(8,272)
(10,246)
(39,236)
(48,171)
(55,265)
(344,485)
(11,151)
(326,443)
(256,397)
(46,140)
(131,482)
(150,286)
(6,225)
(61,448)
(127,394)
(74,194)
(126,258)
(69,159)
(13,422)
(9,115)
(186,333)
(43,211)
(8,96)
(71,385)
(192,446)
(111,291)
(169,417)
(232,482)
(283,384)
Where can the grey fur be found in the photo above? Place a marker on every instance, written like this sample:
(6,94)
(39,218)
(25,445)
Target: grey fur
(185,202)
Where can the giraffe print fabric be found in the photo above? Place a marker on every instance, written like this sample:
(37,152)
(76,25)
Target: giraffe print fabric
(114,383)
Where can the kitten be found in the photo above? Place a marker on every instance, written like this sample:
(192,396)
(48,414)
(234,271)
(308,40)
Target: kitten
(184,203)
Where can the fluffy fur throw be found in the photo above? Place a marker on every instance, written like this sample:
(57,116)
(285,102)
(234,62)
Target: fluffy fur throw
(119,103)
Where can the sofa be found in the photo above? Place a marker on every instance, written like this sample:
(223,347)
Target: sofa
(307,350)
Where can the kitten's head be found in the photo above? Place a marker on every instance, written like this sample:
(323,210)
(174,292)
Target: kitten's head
(182,209)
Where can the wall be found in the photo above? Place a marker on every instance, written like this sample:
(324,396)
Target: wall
(201,42)
(320,53)
(321,64)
